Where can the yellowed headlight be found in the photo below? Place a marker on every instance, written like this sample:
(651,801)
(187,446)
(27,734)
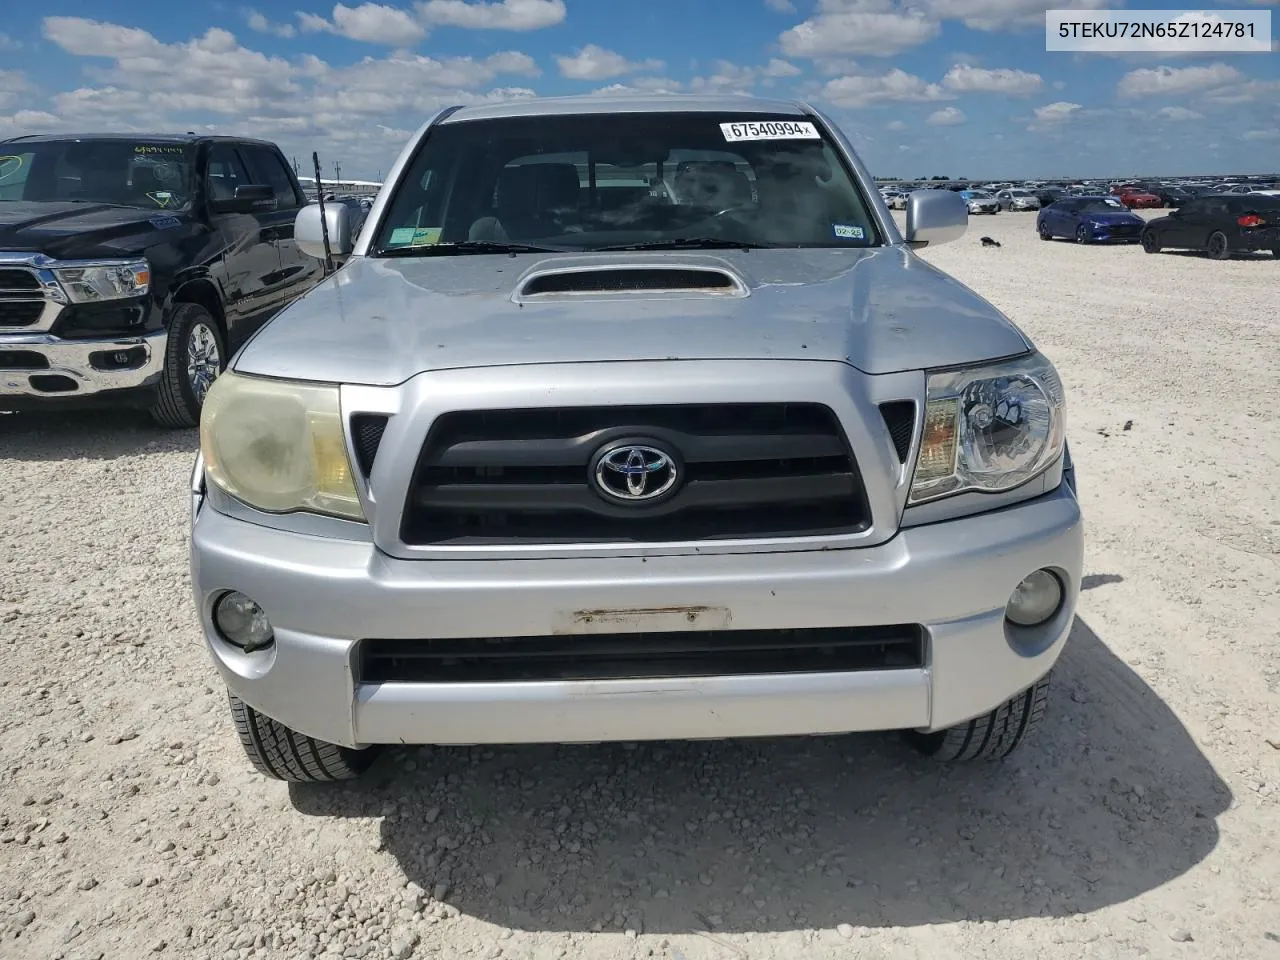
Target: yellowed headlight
(278,446)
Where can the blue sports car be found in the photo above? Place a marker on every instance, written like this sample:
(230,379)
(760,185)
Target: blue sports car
(1089,220)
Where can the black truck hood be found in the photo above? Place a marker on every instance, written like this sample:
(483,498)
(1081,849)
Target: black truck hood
(78,230)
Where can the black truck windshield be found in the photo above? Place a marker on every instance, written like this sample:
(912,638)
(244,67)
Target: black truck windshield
(136,173)
(590,181)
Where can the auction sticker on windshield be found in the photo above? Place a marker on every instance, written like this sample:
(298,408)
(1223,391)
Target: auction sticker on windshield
(770,130)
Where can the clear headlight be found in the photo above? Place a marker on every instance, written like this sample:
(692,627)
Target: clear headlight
(989,428)
(278,446)
(105,281)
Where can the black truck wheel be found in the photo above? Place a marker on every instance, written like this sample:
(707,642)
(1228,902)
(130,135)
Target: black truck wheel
(991,736)
(194,355)
(284,754)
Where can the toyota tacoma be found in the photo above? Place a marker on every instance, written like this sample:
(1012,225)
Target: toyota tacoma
(632,419)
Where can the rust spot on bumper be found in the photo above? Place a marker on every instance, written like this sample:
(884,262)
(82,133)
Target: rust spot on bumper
(641,619)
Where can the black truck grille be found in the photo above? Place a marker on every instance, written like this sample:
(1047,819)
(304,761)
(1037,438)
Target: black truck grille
(21,298)
(526,476)
(626,656)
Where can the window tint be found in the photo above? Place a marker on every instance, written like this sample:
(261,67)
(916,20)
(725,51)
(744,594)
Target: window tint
(584,182)
(267,167)
(14,170)
(106,170)
(226,172)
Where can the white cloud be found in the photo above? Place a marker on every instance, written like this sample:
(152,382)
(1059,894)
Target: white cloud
(946,117)
(876,33)
(857,91)
(1246,92)
(781,6)
(1175,81)
(991,15)
(369,22)
(596,63)
(502,15)
(7,43)
(212,83)
(27,121)
(897,125)
(261,24)
(1056,112)
(1271,134)
(1059,85)
(1178,113)
(641,86)
(966,79)
(12,85)
(780,68)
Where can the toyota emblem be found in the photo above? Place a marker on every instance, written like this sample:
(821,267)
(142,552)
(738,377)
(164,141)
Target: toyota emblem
(635,473)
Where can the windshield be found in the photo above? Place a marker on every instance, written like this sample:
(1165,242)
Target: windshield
(587,182)
(978,195)
(1020,193)
(1103,206)
(135,173)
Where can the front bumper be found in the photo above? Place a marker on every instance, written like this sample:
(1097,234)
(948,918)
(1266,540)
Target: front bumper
(40,366)
(323,595)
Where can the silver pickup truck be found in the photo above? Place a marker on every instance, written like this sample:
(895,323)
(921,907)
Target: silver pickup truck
(633,419)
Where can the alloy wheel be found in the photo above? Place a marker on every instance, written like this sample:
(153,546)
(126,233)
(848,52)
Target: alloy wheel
(204,361)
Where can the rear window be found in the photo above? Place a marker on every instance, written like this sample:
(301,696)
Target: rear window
(582,182)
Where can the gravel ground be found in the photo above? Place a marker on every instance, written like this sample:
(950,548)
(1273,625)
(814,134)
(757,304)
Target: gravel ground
(1142,822)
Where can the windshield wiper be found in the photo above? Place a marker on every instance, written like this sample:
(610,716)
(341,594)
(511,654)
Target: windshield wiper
(686,243)
(465,247)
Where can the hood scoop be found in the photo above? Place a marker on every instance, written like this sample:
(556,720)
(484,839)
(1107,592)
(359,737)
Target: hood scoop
(640,280)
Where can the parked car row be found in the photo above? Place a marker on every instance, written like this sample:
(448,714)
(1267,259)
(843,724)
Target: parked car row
(1218,225)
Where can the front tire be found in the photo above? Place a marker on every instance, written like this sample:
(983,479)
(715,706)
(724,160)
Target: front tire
(278,752)
(1217,246)
(992,736)
(1150,244)
(1082,234)
(194,355)
(1044,232)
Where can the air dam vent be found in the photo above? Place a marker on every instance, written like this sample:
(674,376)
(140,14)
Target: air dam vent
(632,656)
(612,280)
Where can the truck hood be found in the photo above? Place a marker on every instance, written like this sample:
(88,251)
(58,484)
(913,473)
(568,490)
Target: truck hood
(381,321)
(69,230)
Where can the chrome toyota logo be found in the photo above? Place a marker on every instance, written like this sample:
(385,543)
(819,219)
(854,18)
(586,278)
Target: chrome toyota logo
(635,473)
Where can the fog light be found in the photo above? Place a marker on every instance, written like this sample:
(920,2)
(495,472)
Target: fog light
(242,622)
(1035,599)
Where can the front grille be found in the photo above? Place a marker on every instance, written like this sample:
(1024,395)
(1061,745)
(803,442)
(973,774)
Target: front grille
(13,281)
(366,435)
(19,313)
(900,419)
(630,656)
(525,476)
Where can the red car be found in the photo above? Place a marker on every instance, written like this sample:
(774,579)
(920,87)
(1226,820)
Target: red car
(1140,199)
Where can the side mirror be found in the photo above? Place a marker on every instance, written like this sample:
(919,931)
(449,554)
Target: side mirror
(308,233)
(934,217)
(247,199)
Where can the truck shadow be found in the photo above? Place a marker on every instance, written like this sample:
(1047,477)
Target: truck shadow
(1112,799)
(88,435)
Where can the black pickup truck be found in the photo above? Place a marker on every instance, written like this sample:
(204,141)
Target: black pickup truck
(132,266)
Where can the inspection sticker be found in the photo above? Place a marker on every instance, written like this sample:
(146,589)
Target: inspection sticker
(846,232)
(424,236)
(770,130)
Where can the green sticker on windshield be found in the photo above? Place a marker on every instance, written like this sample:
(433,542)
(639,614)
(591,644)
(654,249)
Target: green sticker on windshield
(402,235)
(424,236)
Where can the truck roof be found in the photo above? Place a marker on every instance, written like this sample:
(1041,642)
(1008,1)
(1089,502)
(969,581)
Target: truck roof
(617,103)
(135,137)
